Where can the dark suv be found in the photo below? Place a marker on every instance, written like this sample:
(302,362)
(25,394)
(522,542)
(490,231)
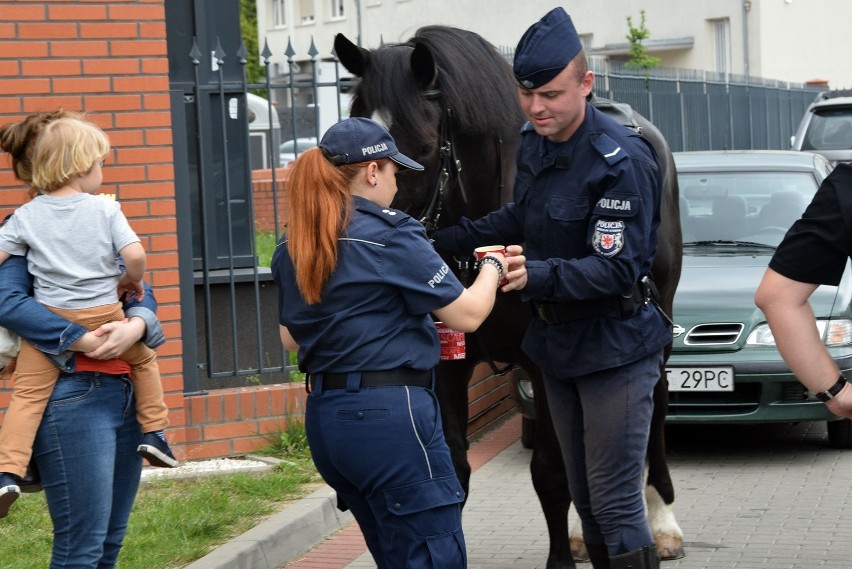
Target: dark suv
(826,127)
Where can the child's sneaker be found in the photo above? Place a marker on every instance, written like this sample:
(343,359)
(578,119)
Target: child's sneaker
(9,492)
(156,450)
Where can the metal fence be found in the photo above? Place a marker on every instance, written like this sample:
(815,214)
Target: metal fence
(701,110)
(231,338)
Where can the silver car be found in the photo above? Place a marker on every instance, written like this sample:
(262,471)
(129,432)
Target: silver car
(826,127)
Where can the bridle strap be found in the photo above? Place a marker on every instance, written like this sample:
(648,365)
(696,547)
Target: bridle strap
(449,168)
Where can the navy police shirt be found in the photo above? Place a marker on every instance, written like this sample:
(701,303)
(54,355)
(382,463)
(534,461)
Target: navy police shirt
(817,246)
(375,308)
(587,210)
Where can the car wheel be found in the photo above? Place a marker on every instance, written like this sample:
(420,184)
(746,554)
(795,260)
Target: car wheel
(527,432)
(840,433)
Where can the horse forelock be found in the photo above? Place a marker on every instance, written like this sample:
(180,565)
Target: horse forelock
(389,92)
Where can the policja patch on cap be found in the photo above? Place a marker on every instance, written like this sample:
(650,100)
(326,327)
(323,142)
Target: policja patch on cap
(358,139)
(545,49)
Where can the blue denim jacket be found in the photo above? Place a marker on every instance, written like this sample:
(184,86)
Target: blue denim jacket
(50,333)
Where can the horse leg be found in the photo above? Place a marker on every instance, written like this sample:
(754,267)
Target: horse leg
(550,480)
(451,383)
(659,492)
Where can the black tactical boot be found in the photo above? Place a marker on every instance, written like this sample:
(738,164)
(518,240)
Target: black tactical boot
(644,558)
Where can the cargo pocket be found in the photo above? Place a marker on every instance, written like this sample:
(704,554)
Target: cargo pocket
(425,523)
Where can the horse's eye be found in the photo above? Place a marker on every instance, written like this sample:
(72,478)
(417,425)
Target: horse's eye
(427,150)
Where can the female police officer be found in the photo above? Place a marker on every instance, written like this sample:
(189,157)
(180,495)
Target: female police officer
(357,282)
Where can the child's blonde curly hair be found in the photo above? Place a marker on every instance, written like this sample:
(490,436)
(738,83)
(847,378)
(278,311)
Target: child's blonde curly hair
(68,147)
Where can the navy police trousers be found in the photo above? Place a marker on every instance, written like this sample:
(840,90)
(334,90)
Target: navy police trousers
(602,421)
(383,451)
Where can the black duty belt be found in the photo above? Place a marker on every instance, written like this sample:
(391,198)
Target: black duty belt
(620,306)
(558,312)
(388,378)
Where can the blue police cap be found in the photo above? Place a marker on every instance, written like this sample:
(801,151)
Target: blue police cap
(545,49)
(358,139)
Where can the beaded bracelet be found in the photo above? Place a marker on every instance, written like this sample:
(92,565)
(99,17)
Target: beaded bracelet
(491,261)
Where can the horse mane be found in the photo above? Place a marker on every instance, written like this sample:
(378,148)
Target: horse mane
(489,83)
(476,82)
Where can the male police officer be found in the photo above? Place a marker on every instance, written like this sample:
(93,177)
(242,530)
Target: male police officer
(587,199)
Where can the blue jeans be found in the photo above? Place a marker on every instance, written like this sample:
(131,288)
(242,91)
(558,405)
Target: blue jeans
(85,450)
(602,421)
(383,451)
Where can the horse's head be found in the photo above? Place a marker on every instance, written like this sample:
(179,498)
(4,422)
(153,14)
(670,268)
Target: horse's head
(449,100)
(398,88)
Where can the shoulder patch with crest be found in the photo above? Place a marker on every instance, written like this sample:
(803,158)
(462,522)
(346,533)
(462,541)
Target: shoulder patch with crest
(608,239)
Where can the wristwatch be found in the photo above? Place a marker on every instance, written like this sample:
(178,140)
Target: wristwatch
(832,391)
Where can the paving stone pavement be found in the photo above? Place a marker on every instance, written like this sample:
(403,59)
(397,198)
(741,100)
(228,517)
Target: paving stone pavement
(748,497)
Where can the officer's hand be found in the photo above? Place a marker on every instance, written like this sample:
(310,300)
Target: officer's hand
(517,268)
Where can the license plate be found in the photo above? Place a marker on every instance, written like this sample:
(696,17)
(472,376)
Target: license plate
(700,378)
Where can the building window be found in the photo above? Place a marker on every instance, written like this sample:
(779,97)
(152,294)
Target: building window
(722,45)
(306,12)
(336,9)
(279,13)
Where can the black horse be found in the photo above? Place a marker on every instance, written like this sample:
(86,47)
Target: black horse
(450,101)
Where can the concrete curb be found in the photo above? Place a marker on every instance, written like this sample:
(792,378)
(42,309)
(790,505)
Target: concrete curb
(281,538)
(186,471)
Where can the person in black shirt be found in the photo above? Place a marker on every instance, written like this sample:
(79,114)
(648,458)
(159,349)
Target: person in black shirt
(814,252)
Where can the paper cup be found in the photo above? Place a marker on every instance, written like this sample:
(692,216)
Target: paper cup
(452,342)
(480,252)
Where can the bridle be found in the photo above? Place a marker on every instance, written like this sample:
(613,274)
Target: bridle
(449,173)
(449,167)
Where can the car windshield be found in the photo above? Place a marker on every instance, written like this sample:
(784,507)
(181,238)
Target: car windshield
(742,207)
(829,129)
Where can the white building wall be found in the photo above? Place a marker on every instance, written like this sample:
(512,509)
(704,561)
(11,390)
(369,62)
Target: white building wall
(801,40)
(788,40)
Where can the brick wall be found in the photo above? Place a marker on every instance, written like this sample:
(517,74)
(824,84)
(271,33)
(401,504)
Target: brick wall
(491,398)
(265,201)
(109,60)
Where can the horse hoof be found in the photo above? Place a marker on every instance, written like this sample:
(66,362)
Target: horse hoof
(669,547)
(578,550)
